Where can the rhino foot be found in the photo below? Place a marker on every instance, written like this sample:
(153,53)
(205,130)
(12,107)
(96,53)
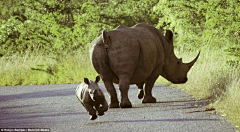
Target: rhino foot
(149,99)
(100,114)
(140,94)
(125,104)
(93,117)
(114,105)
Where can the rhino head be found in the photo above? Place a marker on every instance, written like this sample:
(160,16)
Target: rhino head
(93,88)
(174,69)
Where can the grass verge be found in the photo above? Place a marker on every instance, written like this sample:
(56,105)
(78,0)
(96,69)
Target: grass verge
(41,69)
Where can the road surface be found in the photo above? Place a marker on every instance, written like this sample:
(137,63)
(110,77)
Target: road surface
(57,108)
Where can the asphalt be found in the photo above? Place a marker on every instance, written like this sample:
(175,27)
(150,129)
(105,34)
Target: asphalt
(56,107)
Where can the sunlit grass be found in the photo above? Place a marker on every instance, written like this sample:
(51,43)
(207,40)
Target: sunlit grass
(229,105)
(42,69)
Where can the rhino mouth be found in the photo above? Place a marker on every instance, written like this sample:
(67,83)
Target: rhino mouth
(184,80)
(180,81)
(97,98)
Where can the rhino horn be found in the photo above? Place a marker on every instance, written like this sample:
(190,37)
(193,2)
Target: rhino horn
(190,64)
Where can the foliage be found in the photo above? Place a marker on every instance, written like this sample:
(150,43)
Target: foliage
(37,26)
(197,22)
(51,26)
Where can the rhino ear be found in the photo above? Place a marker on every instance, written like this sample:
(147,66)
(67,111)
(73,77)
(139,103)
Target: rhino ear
(169,35)
(179,61)
(97,79)
(86,81)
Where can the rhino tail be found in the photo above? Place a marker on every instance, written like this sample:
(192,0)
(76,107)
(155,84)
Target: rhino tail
(106,39)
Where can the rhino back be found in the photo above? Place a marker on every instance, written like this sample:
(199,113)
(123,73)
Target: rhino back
(151,57)
(124,50)
(137,50)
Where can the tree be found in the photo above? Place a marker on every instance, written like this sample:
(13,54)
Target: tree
(51,26)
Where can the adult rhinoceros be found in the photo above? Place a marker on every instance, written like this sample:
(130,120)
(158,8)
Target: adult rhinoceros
(136,55)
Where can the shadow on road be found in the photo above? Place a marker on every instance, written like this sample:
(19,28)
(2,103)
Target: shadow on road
(160,120)
(38,94)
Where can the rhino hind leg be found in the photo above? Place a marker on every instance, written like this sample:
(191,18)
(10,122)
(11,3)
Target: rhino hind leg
(124,82)
(114,103)
(140,90)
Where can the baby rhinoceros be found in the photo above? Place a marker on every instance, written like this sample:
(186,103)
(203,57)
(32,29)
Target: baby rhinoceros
(92,97)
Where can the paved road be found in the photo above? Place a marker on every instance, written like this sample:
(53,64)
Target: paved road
(57,108)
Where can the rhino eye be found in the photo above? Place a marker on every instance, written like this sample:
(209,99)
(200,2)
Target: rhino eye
(178,62)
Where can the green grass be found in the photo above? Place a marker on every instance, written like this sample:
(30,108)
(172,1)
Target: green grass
(211,78)
(42,69)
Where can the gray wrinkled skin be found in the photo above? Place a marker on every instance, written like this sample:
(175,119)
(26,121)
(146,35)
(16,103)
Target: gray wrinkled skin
(136,55)
(91,97)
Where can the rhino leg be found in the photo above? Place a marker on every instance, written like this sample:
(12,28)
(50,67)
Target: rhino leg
(104,105)
(97,107)
(124,82)
(91,111)
(140,90)
(103,108)
(148,98)
(99,110)
(114,103)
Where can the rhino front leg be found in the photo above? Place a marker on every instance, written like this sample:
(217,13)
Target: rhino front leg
(91,111)
(114,103)
(104,105)
(97,107)
(148,98)
(124,82)
(103,108)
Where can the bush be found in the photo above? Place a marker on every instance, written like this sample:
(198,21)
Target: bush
(53,27)
(199,22)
